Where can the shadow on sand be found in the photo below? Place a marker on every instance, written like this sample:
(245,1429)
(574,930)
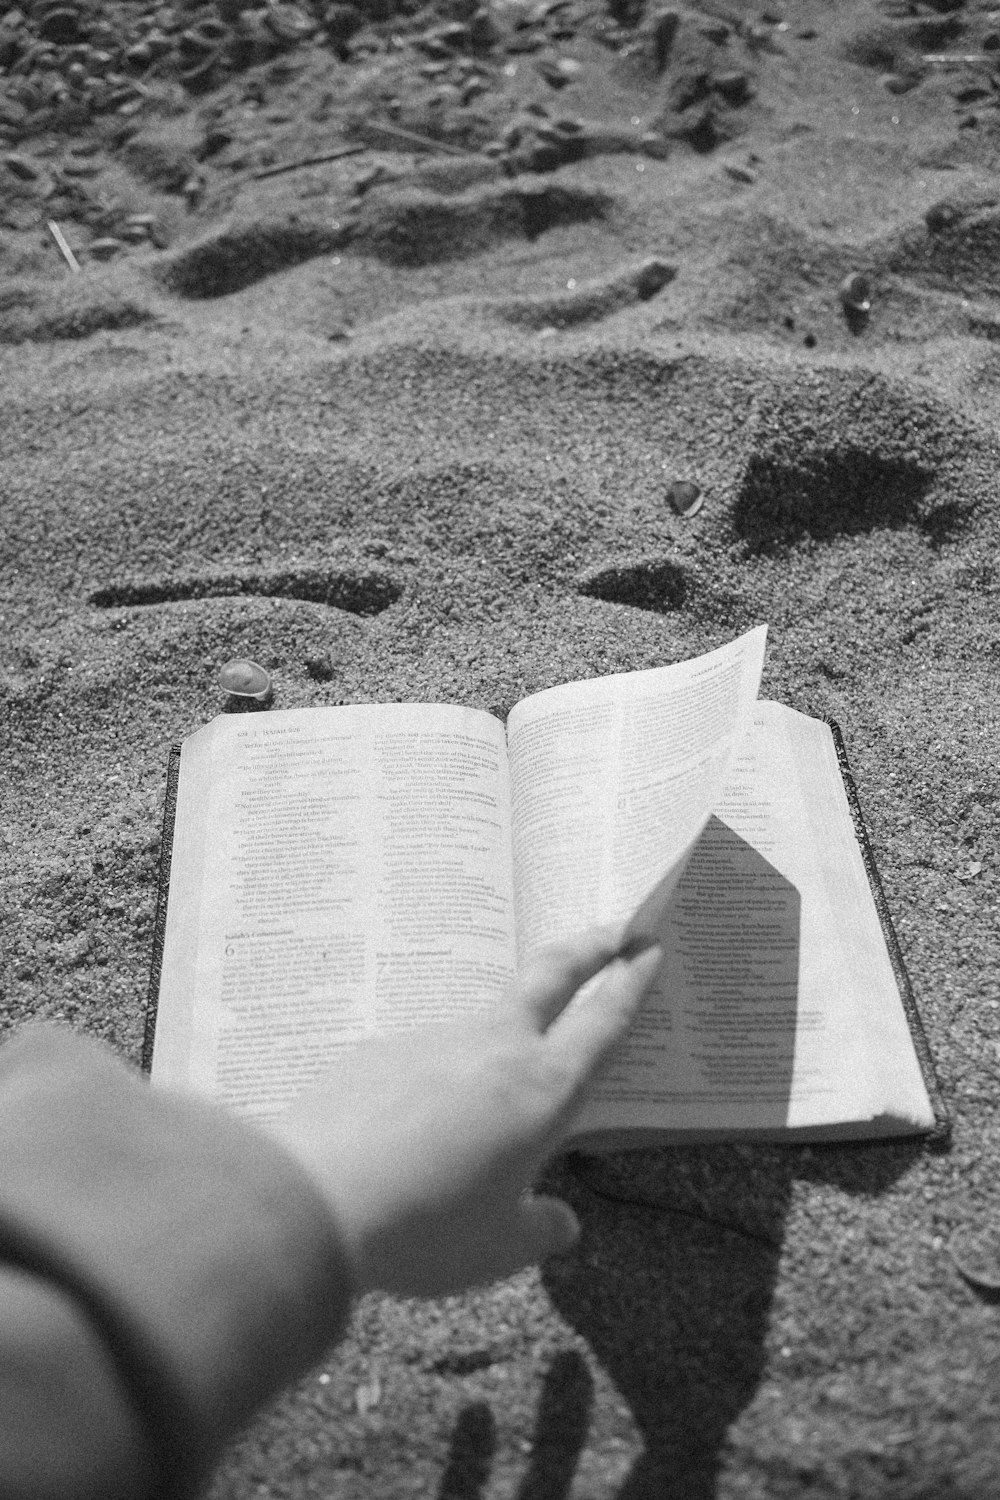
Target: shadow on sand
(673,1289)
(673,1282)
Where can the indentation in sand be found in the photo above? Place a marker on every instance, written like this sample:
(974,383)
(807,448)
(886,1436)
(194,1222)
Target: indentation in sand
(589,303)
(897,45)
(241,254)
(845,453)
(404,227)
(957,250)
(44,311)
(412,228)
(645,583)
(359,592)
(827,492)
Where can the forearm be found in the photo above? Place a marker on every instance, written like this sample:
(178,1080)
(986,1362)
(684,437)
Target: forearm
(68,1429)
(199,1270)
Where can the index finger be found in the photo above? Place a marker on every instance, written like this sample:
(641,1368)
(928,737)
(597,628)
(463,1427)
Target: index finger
(555,973)
(590,1031)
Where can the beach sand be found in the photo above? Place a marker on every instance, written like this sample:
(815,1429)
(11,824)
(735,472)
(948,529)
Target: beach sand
(401,425)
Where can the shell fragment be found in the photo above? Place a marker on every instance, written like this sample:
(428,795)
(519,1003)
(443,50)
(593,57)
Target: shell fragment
(242,678)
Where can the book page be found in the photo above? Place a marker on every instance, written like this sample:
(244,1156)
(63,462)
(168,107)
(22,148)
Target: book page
(777,1007)
(613,780)
(335,871)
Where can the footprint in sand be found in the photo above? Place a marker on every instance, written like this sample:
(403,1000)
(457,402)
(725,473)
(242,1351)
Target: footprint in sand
(846,454)
(403,227)
(588,303)
(359,592)
(646,583)
(825,493)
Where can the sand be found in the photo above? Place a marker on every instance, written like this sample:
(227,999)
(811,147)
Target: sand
(401,425)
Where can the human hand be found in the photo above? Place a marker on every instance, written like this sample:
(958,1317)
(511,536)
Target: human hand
(425,1143)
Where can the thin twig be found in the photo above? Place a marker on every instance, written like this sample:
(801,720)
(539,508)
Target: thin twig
(958,59)
(60,240)
(309,161)
(381,127)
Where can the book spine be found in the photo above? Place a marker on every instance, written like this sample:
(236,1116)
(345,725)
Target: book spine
(160,922)
(940,1136)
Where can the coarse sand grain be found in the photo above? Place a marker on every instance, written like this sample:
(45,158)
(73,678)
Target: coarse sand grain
(402,424)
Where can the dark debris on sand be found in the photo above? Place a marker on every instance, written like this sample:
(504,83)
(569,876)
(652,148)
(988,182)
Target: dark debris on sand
(405,342)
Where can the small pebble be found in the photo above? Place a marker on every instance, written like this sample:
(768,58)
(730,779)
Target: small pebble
(104,249)
(290,23)
(899,83)
(21,167)
(976,1253)
(139,56)
(734,87)
(685,497)
(557,72)
(652,143)
(245,679)
(855,293)
(942,216)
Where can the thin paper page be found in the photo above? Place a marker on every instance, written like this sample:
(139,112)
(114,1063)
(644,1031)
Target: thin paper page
(353,875)
(869,983)
(614,778)
(776,1007)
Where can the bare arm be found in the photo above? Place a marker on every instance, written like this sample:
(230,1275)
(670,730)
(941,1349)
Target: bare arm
(425,1145)
(68,1429)
(169,1264)
(164,1268)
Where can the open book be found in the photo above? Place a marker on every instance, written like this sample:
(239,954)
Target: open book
(329,872)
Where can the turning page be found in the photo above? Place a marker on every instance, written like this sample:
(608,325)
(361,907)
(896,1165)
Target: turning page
(777,1008)
(614,778)
(334,872)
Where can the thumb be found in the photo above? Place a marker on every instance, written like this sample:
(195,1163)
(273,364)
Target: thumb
(548,1227)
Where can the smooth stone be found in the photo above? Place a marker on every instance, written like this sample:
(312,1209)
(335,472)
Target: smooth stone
(734,87)
(685,498)
(655,145)
(105,248)
(899,83)
(976,1253)
(289,23)
(855,293)
(242,678)
(558,72)
(13,113)
(21,167)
